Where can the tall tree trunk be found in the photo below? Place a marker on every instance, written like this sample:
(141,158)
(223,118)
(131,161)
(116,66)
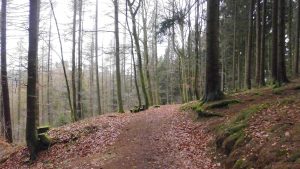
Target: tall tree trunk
(155,57)
(189,58)
(281,69)
(31,133)
(5,92)
(296,60)
(290,36)
(258,43)
(133,60)
(274,39)
(234,46)
(263,46)
(79,64)
(138,49)
(213,78)
(118,74)
(197,35)
(63,63)
(91,79)
(146,53)
(19,97)
(97,63)
(74,103)
(248,60)
(49,73)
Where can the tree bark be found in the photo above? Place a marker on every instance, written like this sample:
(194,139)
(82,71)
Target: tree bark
(248,60)
(296,60)
(274,39)
(263,46)
(5,91)
(146,53)
(118,74)
(79,64)
(281,69)
(49,73)
(31,134)
(63,63)
(196,80)
(138,49)
(258,43)
(213,78)
(234,46)
(97,64)
(74,103)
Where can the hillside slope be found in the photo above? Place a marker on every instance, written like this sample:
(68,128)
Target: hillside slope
(251,129)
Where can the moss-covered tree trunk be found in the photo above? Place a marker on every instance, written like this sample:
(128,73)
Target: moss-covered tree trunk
(31,133)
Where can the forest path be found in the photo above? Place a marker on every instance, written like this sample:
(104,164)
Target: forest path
(157,138)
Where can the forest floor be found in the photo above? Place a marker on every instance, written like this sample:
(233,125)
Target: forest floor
(161,137)
(261,130)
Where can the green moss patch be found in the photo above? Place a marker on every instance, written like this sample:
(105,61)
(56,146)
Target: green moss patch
(277,91)
(220,104)
(231,135)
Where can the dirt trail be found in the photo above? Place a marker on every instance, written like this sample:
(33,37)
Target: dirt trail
(157,138)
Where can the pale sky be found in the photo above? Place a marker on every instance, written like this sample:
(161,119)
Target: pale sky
(18,23)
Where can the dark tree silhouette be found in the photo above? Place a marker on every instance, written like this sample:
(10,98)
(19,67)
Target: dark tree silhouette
(213,78)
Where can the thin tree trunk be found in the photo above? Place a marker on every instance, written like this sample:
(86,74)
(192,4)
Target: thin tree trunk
(274,39)
(290,36)
(79,64)
(118,74)
(97,64)
(63,63)
(19,98)
(138,49)
(49,73)
(5,92)
(196,80)
(258,43)
(234,46)
(133,60)
(146,53)
(297,46)
(155,57)
(248,60)
(74,103)
(91,79)
(263,46)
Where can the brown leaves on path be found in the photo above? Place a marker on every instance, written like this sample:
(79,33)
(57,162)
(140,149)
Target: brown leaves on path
(156,138)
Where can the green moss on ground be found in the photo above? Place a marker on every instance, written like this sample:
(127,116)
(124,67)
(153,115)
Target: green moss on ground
(220,104)
(231,135)
(42,129)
